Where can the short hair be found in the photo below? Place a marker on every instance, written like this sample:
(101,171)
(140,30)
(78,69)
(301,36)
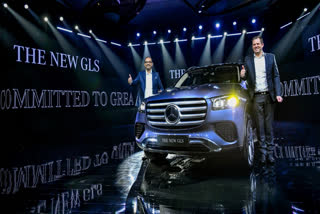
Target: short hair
(258,37)
(147,57)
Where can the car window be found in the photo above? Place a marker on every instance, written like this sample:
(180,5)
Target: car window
(217,74)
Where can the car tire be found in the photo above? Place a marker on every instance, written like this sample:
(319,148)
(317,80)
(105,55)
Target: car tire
(155,156)
(248,150)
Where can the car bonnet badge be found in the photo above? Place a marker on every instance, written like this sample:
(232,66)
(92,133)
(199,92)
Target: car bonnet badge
(172,114)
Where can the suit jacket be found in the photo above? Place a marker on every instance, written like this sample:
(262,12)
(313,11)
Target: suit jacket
(141,81)
(272,74)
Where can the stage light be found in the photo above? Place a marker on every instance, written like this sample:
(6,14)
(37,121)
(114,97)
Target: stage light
(262,29)
(215,36)
(169,31)
(133,45)
(303,16)
(83,35)
(163,42)
(76,27)
(244,31)
(253,21)
(145,43)
(154,32)
(5,5)
(117,44)
(283,26)
(217,25)
(184,29)
(199,11)
(90,31)
(251,32)
(234,23)
(100,40)
(61,18)
(198,38)
(200,27)
(305,9)
(225,33)
(46,19)
(180,40)
(138,34)
(209,35)
(234,34)
(63,29)
(26,6)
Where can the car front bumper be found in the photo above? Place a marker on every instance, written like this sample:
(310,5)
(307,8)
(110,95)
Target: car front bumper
(208,137)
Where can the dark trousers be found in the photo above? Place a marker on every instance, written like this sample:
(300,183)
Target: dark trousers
(264,111)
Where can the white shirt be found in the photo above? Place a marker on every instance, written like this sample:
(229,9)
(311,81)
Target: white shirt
(261,75)
(148,89)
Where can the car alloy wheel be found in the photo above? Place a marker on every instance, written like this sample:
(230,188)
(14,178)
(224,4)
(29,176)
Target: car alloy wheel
(249,144)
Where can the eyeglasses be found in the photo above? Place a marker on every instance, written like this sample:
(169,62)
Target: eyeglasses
(147,61)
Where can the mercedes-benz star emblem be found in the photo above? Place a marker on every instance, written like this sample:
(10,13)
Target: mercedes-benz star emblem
(172,114)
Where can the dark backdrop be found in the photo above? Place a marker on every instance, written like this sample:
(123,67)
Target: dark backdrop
(296,48)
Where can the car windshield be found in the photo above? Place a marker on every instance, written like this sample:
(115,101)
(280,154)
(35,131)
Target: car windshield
(205,75)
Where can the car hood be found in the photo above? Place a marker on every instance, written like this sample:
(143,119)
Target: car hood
(198,91)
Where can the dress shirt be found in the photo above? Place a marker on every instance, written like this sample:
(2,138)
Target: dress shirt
(148,91)
(261,75)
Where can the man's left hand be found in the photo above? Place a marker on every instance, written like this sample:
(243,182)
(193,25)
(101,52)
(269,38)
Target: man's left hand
(279,99)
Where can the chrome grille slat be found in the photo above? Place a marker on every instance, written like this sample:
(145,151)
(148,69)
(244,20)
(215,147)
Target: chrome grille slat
(156,110)
(201,108)
(192,113)
(191,116)
(156,117)
(178,103)
(186,123)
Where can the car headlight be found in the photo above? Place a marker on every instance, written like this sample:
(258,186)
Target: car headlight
(142,107)
(224,102)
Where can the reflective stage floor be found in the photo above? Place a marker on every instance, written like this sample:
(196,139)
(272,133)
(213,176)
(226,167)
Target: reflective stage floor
(113,177)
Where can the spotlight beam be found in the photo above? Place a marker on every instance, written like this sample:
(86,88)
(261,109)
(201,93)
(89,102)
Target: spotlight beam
(236,53)
(205,58)
(34,32)
(289,39)
(217,56)
(179,58)
(64,44)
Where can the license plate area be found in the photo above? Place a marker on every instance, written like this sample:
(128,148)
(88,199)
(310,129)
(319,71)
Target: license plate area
(173,139)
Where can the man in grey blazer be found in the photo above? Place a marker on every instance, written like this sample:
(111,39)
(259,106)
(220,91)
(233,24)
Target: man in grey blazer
(263,79)
(149,81)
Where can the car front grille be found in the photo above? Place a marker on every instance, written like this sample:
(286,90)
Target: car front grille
(192,113)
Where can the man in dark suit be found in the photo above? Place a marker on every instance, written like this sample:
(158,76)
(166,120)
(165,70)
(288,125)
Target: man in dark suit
(263,79)
(149,81)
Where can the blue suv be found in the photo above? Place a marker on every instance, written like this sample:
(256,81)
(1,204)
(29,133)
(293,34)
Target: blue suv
(206,112)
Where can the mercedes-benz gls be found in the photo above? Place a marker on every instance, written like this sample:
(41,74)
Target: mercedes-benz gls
(206,112)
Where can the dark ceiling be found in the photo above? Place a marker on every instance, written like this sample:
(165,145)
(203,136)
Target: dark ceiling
(113,17)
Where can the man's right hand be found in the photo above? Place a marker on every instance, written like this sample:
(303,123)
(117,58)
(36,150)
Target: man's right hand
(130,79)
(243,72)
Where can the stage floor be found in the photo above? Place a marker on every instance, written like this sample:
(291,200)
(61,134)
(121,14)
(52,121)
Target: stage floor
(113,177)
